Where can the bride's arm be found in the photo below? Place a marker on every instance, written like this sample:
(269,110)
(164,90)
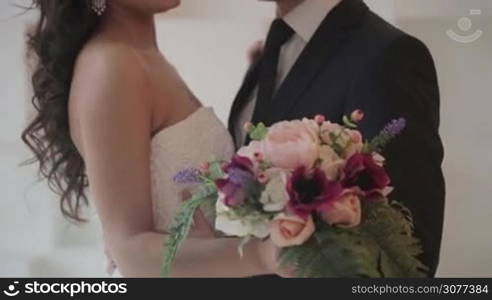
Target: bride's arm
(141,256)
(110,111)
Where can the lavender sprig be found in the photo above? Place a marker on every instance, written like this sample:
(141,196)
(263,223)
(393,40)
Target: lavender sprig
(188,176)
(389,132)
(394,128)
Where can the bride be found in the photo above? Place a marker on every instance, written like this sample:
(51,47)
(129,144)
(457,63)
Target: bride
(114,115)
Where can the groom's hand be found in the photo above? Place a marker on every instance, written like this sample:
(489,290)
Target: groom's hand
(255,52)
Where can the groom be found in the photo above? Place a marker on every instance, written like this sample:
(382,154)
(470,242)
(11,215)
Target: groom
(332,57)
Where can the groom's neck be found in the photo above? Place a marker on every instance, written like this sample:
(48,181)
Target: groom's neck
(286,6)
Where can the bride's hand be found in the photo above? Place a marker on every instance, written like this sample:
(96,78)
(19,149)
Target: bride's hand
(201,227)
(269,254)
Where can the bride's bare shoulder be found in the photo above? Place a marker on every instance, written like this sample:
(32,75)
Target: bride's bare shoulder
(105,69)
(108,58)
(108,84)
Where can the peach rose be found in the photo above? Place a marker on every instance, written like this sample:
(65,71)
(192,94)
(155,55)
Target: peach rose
(355,144)
(350,140)
(331,163)
(293,144)
(328,128)
(345,212)
(287,231)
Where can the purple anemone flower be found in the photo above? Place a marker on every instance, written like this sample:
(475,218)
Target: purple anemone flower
(236,187)
(311,191)
(363,172)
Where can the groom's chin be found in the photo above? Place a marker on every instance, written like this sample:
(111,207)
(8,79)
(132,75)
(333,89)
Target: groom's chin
(170,4)
(161,6)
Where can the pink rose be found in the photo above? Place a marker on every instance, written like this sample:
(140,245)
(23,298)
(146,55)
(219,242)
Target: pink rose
(344,212)
(314,128)
(290,145)
(287,231)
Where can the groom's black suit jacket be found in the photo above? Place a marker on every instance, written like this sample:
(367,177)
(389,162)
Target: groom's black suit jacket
(356,60)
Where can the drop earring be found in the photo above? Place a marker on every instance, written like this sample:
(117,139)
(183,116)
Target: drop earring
(99,6)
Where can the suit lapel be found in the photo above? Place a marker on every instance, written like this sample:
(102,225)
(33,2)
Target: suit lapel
(243,96)
(325,44)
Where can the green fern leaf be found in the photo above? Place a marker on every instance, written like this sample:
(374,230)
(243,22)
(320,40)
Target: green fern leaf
(382,246)
(183,222)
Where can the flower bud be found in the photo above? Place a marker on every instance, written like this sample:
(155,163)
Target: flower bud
(357,115)
(320,119)
(263,178)
(248,126)
(203,168)
(258,156)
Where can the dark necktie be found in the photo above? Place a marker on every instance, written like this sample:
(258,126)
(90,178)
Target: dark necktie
(278,35)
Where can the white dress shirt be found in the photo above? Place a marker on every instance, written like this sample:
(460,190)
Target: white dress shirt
(304,20)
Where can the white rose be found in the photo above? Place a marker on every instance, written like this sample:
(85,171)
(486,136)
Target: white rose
(229,223)
(275,197)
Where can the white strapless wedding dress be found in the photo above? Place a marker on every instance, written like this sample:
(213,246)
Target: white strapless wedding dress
(195,140)
(192,141)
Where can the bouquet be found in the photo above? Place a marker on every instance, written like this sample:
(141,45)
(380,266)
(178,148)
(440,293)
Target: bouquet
(318,190)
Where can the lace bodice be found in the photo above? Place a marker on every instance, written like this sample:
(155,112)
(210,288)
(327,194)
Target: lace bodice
(189,143)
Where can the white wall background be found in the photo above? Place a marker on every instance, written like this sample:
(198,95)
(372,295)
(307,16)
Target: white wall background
(206,40)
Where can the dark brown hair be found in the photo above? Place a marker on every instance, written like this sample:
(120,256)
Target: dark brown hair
(63,27)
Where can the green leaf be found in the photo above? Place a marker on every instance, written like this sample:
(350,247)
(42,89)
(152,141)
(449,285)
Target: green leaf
(331,252)
(349,123)
(367,147)
(183,223)
(258,132)
(382,246)
(335,145)
(391,227)
(215,170)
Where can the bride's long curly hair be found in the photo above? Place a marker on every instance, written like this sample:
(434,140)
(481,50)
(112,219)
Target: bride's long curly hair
(63,27)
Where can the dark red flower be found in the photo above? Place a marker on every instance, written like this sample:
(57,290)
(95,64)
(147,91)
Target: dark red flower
(311,191)
(364,173)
